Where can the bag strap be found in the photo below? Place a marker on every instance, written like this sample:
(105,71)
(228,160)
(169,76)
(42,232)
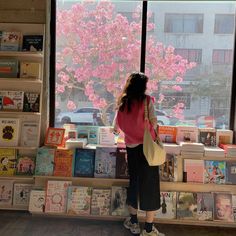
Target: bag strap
(145,110)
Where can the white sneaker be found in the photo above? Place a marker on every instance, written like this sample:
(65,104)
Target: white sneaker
(134,228)
(154,232)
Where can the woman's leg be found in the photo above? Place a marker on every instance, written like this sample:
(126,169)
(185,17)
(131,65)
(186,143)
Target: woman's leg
(150,216)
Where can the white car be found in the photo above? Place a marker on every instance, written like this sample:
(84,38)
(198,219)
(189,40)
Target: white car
(162,117)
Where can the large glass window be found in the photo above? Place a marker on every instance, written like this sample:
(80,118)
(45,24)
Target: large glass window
(222,56)
(224,24)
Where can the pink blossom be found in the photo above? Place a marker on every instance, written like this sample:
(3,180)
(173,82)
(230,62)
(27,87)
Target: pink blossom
(179,79)
(177,88)
(60,88)
(161,98)
(71,105)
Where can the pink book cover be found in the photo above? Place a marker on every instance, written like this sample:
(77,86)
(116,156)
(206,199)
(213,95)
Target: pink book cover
(195,170)
(56,196)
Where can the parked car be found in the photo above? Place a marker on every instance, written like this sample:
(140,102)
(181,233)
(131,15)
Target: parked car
(82,116)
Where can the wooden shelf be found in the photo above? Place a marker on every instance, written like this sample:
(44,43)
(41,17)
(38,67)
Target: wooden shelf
(21,80)
(21,148)
(21,113)
(15,208)
(17,177)
(21,54)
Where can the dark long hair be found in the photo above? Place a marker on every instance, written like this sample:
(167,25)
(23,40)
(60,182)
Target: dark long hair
(134,90)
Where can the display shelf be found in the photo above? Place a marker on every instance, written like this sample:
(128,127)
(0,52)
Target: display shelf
(207,158)
(21,54)
(17,177)
(20,113)
(21,80)
(21,148)
(14,208)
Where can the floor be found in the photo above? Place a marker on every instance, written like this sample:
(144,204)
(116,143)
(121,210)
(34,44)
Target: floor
(23,224)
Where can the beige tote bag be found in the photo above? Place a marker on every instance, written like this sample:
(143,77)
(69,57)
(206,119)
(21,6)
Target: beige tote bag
(153,150)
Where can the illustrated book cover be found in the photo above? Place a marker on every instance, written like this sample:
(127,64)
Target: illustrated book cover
(37,200)
(194,170)
(187,134)
(6,192)
(79,200)
(32,43)
(12,100)
(30,70)
(207,136)
(205,206)
(21,194)
(10,41)
(31,102)
(168,170)
(167,133)
(89,132)
(29,134)
(8,68)
(121,164)
(231,172)
(106,136)
(84,162)
(7,161)
(25,165)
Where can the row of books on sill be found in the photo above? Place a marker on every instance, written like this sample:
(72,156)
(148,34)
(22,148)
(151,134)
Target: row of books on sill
(16,41)
(61,197)
(13,68)
(109,162)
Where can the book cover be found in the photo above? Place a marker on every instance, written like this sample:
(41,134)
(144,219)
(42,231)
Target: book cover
(7,161)
(37,201)
(12,100)
(215,172)
(84,162)
(186,205)
(106,136)
(89,132)
(230,172)
(167,133)
(56,196)
(234,207)
(118,201)
(76,143)
(194,170)
(224,136)
(9,132)
(101,202)
(105,162)
(205,206)
(54,137)
(8,68)
(31,102)
(6,192)
(79,200)
(63,163)
(10,41)
(30,70)
(223,207)
(168,206)
(121,164)
(32,43)
(229,149)
(29,134)
(45,161)
(168,170)
(172,148)
(187,134)
(207,136)
(21,194)
(25,165)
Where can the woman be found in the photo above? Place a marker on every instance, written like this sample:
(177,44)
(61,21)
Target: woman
(144,180)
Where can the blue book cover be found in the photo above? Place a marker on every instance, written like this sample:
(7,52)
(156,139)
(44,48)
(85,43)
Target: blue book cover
(230,172)
(105,162)
(45,161)
(89,132)
(84,162)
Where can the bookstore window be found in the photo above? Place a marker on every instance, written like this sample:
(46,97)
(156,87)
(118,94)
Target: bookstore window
(224,24)
(222,56)
(183,23)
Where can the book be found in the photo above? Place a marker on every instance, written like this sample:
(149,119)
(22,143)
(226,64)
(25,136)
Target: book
(118,201)
(105,162)
(215,172)
(205,206)
(101,202)
(29,134)
(25,165)
(79,200)
(9,132)
(84,162)
(30,70)
(224,136)
(234,207)
(54,137)
(7,161)
(106,136)
(223,207)
(76,143)
(168,170)
(37,200)
(21,194)
(186,205)
(172,148)
(8,68)
(45,161)
(12,100)
(229,149)
(194,170)
(191,147)
(167,133)
(207,136)
(56,196)
(31,102)
(187,134)
(168,206)
(213,152)
(230,172)
(32,43)
(121,164)
(6,192)
(10,41)
(89,132)
(63,163)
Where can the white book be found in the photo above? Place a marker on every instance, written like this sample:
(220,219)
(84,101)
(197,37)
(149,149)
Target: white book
(214,151)
(76,143)
(30,70)
(21,194)
(172,148)
(187,134)
(224,136)
(192,154)
(29,134)
(6,192)
(9,132)
(37,201)
(106,136)
(191,147)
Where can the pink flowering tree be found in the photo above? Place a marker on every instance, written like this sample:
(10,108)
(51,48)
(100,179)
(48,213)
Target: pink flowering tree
(97,48)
